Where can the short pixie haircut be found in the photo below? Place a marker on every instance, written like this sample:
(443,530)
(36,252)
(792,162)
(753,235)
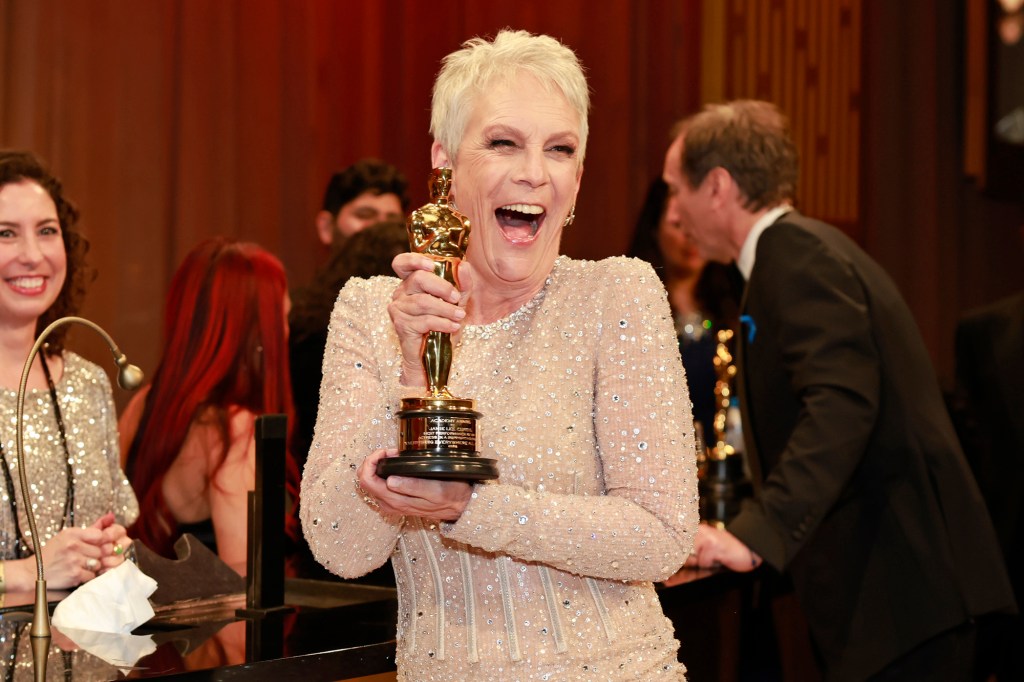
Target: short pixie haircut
(751,140)
(467,72)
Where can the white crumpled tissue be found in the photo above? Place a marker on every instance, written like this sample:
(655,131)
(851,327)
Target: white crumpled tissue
(100,615)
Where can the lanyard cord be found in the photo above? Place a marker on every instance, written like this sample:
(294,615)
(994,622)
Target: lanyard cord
(68,516)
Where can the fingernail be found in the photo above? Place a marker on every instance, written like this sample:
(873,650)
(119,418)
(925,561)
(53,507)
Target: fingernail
(460,313)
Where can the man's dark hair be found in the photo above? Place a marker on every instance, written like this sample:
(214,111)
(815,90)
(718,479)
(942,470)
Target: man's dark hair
(367,253)
(365,175)
(751,140)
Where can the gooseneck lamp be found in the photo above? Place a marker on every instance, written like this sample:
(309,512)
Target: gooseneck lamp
(129,377)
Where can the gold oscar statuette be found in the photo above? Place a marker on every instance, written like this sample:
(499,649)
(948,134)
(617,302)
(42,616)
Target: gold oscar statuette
(725,371)
(437,435)
(722,483)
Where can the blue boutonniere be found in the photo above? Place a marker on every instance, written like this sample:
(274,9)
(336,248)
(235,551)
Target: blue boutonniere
(748,322)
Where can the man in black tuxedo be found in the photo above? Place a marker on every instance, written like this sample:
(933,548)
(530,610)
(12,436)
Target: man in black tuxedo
(862,493)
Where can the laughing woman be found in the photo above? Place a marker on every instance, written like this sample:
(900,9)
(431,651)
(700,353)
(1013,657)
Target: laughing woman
(545,573)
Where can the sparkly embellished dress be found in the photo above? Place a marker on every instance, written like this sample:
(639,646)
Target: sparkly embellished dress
(90,423)
(547,575)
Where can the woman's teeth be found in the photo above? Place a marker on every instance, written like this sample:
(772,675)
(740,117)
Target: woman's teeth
(26,282)
(528,209)
(519,222)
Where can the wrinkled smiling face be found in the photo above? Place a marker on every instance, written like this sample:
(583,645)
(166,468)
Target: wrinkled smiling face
(516,177)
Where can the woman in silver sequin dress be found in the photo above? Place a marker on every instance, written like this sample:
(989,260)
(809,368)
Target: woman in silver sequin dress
(82,500)
(545,573)
(81,511)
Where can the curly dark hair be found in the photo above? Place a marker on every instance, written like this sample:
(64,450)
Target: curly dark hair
(365,175)
(17,166)
(367,253)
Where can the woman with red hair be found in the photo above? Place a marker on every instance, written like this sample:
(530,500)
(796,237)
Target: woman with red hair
(191,457)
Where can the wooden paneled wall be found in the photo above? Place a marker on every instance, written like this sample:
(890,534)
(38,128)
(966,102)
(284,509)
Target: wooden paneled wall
(804,55)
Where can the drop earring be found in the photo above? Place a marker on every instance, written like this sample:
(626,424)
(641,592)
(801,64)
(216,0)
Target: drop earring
(571,217)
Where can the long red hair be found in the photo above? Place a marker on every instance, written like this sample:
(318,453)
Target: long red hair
(225,347)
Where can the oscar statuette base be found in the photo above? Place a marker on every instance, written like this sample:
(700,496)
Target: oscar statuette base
(438,439)
(722,487)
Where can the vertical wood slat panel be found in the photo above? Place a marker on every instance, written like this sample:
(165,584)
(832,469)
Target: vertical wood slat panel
(855,103)
(171,122)
(714,58)
(733,47)
(847,205)
(798,103)
(779,29)
(814,107)
(804,55)
(840,104)
(788,53)
(763,66)
(835,141)
(975,89)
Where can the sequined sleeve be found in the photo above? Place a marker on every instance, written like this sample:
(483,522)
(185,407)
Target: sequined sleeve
(635,519)
(597,468)
(345,531)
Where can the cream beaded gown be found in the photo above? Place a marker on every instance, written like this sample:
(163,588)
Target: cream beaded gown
(547,574)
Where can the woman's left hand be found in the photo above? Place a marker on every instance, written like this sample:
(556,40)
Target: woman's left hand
(115,543)
(406,496)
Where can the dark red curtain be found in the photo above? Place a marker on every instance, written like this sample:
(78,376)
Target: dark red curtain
(171,121)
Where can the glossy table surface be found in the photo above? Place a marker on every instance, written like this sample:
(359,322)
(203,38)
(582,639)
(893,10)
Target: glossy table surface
(330,630)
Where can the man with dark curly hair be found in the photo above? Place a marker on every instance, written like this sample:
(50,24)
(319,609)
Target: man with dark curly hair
(366,192)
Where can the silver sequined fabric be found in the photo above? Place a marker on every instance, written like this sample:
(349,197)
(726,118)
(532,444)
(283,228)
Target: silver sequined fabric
(90,420)
(547,574)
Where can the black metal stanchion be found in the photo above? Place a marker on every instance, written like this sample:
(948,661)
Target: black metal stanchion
(264,598)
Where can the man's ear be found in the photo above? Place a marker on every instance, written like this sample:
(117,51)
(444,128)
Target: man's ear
(438,156)
(720,185)
(325,227)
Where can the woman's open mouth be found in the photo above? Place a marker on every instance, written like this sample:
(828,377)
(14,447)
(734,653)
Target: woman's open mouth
(520,222)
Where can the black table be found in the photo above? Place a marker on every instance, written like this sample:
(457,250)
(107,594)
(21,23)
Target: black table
(335,630)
